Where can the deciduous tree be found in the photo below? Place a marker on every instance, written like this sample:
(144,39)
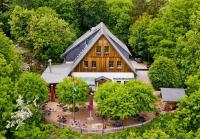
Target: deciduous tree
(65,91)
(48,35)
(10,61)
(188,112)
(31,86)
(6,100)
(19,21)
(138,36)
(117,101)
(119,18)
(164,73)
(193,83)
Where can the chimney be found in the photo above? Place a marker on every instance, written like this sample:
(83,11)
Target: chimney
(50,65)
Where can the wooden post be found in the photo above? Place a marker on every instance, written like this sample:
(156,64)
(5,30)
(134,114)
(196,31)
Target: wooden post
(52,93)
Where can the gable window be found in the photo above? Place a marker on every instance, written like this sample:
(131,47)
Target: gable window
(98,50)
(85,64)
(119,64)
(111,64)
(94,64)
(106,50)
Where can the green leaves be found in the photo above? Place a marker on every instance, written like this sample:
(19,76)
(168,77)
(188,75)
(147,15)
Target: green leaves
(138,36)
(31,86)
(193,83)
(65,94)
(187,54)
(44,131)
(164,73)
(49,35)
(19,22)
(10,64)
(41,30)
(118,101)
(188,112)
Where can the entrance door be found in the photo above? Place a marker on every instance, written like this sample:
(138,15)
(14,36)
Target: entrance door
(101,80)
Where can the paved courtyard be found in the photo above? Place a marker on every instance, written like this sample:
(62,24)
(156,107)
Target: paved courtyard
(142,75)
(53,112)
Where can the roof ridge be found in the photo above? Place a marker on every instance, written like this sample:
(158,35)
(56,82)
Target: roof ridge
(100,27)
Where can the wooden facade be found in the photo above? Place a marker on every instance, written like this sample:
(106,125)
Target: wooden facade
(102,58)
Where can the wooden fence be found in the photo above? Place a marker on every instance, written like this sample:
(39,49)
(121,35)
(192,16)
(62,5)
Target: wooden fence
(98,131)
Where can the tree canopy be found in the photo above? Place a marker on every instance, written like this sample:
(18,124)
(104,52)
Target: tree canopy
(164,73)
(31,86)
(118,101)
(138,36)
(188,112)
(167,28)
(9,60)
(193,83)
(36,28)
(65,91)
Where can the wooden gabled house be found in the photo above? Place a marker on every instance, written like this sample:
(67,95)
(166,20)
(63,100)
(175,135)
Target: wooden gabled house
(97,56)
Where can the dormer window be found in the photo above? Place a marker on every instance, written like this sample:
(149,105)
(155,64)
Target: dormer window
(119,64)
(98,50)
(106,50)
(94,65)
(85,64)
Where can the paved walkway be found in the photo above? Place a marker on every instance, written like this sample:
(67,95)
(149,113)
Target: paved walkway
(82,117)
(142,75)
(138,66)
(141,71)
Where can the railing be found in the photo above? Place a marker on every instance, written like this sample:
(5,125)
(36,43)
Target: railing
(98,131)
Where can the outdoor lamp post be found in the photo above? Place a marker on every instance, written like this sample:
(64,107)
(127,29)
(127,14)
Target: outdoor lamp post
(74,90)
(91,103)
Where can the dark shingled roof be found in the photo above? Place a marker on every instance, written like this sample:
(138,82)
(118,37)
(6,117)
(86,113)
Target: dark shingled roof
(171,94)
(74,52)
(82,45)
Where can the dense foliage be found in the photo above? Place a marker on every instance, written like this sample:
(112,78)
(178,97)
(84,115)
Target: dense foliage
(138,36)
(31,86)
(193,83)
(65,91)
(44,131)
(9,60)
(188,107)
(117,101)
(154,28)
(164,73)
(42,30)
(6,101)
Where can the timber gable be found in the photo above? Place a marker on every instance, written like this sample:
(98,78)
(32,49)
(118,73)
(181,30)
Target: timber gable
(106,58)
(98,50)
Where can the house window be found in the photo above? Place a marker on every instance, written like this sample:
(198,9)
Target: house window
(119,64)
(85,64)
(118,81)
(94,64)
(98,50)
(111,64)
(106,50)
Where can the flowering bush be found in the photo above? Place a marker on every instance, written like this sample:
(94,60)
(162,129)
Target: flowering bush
(22,114)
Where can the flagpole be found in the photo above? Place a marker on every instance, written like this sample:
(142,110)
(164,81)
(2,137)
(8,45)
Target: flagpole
(74,91)
(91,104)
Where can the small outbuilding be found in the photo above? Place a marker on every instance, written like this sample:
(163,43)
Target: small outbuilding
(170,96)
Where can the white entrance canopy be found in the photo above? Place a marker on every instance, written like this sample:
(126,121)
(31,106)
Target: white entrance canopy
(90,77)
